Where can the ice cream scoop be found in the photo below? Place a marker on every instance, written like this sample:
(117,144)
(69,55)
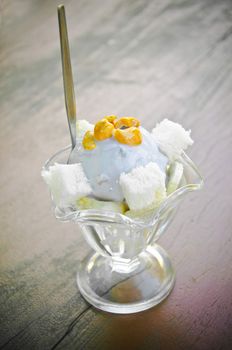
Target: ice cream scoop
(104,164)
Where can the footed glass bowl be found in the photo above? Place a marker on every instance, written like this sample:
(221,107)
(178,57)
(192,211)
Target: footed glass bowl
(127,271)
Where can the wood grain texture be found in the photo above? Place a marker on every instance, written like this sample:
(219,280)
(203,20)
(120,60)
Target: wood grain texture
(149,59)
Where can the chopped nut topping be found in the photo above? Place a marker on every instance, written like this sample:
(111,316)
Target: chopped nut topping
(126,122)
(131,136)
(88,141)
(103,130)
(125,130)
(111,118)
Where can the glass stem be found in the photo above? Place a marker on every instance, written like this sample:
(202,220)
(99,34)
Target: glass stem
(123,265)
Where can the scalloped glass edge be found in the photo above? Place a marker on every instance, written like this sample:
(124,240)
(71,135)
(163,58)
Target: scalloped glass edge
(90,216)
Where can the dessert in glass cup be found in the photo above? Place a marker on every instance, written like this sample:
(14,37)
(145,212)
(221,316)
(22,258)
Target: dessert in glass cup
(122,185)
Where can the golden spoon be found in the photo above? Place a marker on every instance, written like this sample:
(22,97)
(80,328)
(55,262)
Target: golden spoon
(67,75)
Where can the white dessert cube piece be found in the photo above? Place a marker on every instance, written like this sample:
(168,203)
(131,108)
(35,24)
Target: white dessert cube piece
(67,183)
(171,138)
(144,186)
(81,127)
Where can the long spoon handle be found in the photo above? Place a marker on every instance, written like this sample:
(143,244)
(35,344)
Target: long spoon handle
(67,74)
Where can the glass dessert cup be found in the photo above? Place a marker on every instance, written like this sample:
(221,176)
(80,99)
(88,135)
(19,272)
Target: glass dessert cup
(128,271)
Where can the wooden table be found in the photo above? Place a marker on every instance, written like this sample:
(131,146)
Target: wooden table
(148,59)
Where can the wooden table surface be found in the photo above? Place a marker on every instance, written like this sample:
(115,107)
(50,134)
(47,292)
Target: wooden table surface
(144,58)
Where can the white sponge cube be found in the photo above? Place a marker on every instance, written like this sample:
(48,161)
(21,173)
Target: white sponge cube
(143,187)
(82,126)
(67,183)
(171,138)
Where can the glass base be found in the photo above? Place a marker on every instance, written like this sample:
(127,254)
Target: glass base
(126,287)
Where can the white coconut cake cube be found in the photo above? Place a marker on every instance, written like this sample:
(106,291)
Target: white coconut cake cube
(143,186)
(171,138)
(67,183)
